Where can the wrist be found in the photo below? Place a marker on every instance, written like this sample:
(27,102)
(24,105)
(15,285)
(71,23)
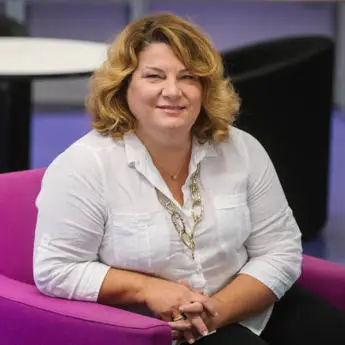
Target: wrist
(142,290)
(218,320)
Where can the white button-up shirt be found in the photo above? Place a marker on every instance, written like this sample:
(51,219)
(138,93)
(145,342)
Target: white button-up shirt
(98,208)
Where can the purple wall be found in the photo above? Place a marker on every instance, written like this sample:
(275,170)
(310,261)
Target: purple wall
(234,23)
(94,22)
(228,23)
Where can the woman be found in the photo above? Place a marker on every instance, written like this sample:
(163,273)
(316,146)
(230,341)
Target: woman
(165,206)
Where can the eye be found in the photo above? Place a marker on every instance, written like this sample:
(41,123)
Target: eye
(189,77)
(153,76)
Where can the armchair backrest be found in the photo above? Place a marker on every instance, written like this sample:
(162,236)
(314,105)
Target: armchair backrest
(18,192)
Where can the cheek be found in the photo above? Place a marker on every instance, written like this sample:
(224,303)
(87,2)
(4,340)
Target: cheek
(138,98)
(196,100)
(194,93)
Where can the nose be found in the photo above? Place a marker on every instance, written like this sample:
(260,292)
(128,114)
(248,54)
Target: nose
(171,89)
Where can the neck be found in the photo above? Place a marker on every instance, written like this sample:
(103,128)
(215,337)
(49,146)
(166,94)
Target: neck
(170,155)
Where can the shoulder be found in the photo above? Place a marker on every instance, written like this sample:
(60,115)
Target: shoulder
(85,158)
(243,145)
(241,138)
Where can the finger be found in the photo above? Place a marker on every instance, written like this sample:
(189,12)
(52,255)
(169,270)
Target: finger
(210,307)
(164,317)
(189,337)
(208,304)
(194,307)
(177,335)
(181,325)
(198,323)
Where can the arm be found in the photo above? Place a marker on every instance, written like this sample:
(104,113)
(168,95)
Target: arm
(273,247)
(122,287)
(244,297)
(70,227)
(72,214)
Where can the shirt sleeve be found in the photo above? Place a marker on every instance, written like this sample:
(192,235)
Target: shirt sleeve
(274,245)
(70,226)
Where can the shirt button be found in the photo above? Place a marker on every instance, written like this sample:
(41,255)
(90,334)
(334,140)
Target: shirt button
(197,281)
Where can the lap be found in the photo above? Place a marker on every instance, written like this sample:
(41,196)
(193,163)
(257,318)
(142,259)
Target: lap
(232,335)
(301,317)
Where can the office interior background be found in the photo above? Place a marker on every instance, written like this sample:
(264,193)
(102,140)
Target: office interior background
(59,117)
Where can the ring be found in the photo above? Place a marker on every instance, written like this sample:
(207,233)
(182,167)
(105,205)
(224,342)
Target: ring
(179,317)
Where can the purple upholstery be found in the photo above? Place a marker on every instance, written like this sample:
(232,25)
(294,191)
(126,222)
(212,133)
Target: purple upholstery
(27,317)
(325,278)
(18,192)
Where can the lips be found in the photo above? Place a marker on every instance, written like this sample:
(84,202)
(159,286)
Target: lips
(171,107)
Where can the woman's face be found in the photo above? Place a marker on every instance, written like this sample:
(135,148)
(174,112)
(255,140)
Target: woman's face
(162,94)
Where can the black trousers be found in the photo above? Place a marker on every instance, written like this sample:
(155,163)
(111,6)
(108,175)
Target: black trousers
(299,318)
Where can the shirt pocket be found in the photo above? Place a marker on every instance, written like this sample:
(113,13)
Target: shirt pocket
(233,221)
(140,241)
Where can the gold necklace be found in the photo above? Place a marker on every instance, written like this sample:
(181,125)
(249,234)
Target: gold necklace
(177,219)
(172,177)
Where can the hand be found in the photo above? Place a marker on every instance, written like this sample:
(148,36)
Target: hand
(198,316)
(164,298)
(208,319)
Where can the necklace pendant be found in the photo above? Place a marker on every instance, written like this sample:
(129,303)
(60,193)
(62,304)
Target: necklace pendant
(173,177)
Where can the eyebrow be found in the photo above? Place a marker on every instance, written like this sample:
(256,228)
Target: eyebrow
(160,70)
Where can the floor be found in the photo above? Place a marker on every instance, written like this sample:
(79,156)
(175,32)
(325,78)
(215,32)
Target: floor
(54,131)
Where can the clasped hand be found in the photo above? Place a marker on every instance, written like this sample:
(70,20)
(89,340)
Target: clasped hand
(169,300)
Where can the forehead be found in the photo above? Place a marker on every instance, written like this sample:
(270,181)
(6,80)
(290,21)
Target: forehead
(159,55)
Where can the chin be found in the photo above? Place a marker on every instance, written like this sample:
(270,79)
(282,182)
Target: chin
(174,125)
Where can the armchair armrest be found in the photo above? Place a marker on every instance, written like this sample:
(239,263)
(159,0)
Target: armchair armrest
(325,278)
(28,317)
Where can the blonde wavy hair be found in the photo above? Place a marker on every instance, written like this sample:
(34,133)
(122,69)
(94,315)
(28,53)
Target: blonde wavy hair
(107,103)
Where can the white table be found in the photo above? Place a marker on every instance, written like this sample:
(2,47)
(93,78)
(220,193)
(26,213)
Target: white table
(23,59)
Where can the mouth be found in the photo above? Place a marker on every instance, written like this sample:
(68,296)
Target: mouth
(171,107)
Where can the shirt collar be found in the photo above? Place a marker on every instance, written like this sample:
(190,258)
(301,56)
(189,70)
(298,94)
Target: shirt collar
(136,152)
(201,151)
(134,148)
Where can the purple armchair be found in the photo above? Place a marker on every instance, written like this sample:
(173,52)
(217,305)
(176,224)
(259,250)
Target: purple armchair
(27,317)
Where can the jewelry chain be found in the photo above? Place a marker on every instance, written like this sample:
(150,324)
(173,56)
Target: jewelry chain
(177,219)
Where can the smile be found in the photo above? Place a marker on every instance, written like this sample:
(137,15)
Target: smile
(171,107)
(172,110)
